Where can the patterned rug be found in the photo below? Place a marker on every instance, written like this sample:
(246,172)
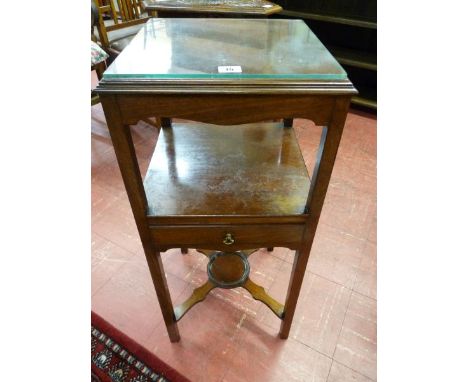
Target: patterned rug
(117,358)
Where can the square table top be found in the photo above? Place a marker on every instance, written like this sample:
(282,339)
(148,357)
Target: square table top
(246,7)
(227,53)
(196,48)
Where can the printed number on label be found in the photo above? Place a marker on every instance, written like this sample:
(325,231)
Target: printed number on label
(229,69)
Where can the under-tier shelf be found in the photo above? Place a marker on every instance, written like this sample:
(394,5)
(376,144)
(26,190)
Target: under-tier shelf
(202,169)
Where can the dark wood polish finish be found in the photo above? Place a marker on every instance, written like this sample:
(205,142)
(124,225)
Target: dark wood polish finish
(212,236)
(198,295)
(125,152)
(240,184)
(200,169)
(331,136)
(228,269)
(294,229)
(259,293)
(242,108)
(155,221)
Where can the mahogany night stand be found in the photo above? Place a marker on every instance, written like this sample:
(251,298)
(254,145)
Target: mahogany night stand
(229,180)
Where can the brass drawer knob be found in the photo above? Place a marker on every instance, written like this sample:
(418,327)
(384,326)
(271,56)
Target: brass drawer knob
(228,239)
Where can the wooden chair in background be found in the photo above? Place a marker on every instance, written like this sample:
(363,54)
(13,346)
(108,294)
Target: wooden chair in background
(99,68)
(97,64)
(119,21)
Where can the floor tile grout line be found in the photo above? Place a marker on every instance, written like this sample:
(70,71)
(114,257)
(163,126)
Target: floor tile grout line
(118,268)
(235,337)
(347,305)
(99,289)
(330,280)
(359,266)
(342,323)
(108,280)
(116,244)
(356,371)
(113,242)
(299,341)
(306,345)
(277,257)
(107,150)
(355,275)
(325,278)
(344,232)
(162,319)
(344,316)
(329,370)
(363,295)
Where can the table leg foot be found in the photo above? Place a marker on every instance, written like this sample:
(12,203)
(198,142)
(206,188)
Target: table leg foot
(173,332)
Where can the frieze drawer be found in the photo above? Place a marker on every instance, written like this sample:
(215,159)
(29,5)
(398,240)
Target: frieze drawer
(227,237)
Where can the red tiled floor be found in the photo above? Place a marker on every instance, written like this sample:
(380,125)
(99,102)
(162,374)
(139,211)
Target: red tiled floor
(319,313)
(357,345)
(373,231)
(340,373)
(106,260)
(283,254)
(230,336)
(183,265)
(348,209)
(264,267)
(335,255)
(116,223)
(129,302)
(366,277)
(241,349)
(207,344)
(261,356)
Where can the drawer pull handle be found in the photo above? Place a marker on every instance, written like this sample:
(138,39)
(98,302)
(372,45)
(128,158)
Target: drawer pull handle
(228,239)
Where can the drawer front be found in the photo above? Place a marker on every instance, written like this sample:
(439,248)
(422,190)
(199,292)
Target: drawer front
(228,237)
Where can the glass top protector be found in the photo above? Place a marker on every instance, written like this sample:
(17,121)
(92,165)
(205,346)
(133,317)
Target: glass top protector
(225,48)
